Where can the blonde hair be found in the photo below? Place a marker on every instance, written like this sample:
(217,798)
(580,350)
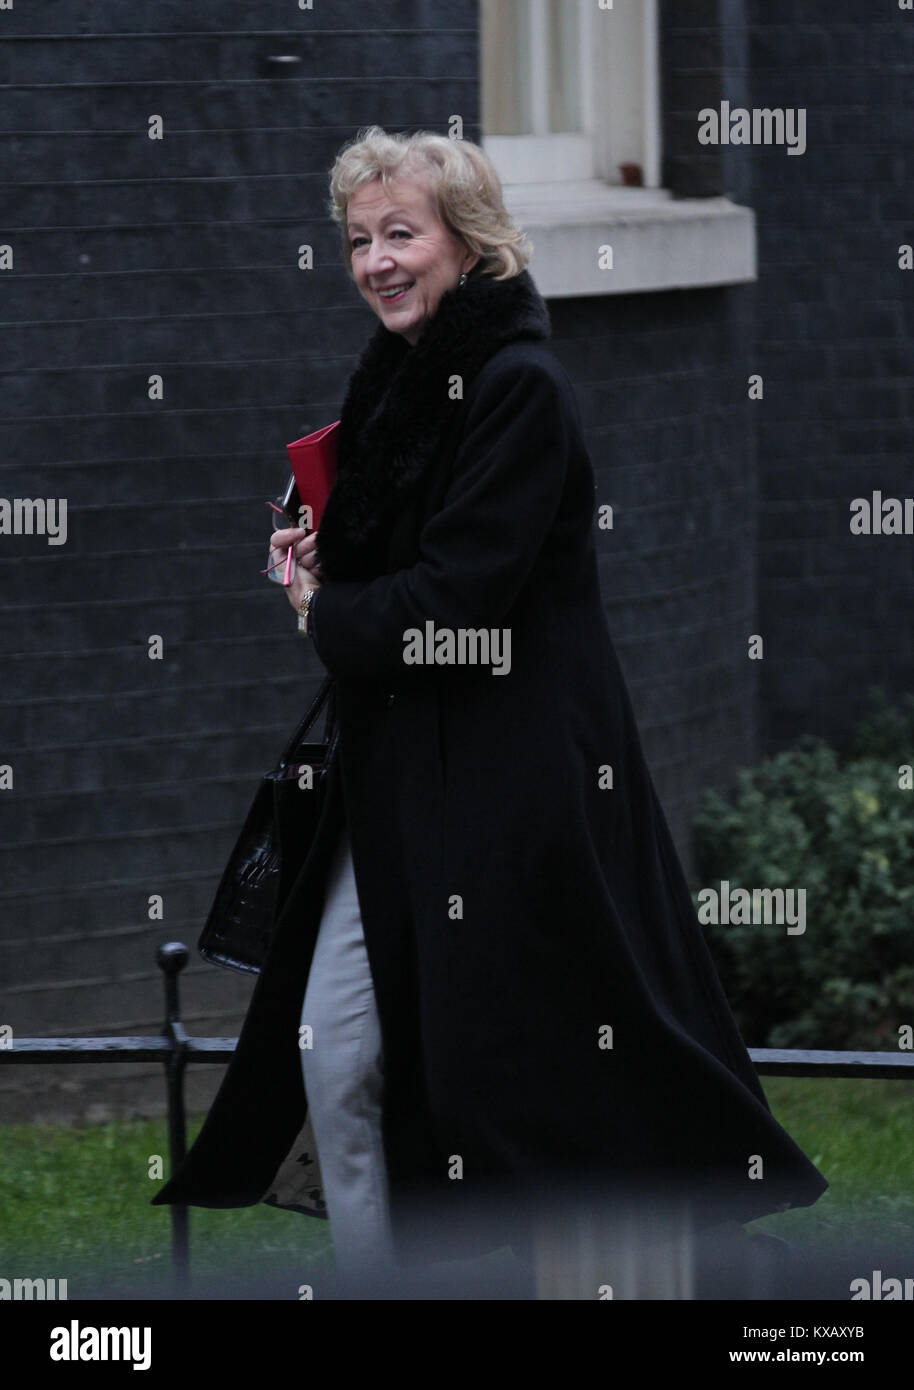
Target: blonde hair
(461,178)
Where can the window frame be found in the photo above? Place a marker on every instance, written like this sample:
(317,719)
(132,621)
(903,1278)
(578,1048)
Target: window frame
(656,242)
(623,127)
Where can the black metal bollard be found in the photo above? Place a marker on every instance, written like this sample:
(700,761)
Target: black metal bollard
(172,957)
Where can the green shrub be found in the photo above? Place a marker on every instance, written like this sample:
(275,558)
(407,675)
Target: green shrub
(843,830)
(887,730)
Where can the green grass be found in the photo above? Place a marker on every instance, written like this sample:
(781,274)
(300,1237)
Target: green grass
(860,1135)
(75,1204)
(75,1201)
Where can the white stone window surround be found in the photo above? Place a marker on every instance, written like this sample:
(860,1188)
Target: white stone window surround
(658,242)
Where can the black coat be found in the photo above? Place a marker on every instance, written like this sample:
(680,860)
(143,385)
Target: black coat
(514,904)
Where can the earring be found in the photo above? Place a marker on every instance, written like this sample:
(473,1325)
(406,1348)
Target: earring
(463,279)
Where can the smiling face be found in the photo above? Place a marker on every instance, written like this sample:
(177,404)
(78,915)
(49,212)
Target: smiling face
(397,239)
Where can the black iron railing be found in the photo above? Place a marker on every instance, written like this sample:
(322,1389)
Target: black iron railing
(175,1050)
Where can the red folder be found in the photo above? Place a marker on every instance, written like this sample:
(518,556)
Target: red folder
(313,460)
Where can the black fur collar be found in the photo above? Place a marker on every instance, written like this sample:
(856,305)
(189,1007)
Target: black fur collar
(398,407)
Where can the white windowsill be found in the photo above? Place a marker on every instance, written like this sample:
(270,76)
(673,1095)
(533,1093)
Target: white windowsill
(658,242)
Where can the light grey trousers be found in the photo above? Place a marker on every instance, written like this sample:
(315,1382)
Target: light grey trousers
(344,1082)
(344,1079)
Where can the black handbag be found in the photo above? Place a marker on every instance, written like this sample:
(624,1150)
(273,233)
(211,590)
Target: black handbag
(274,842)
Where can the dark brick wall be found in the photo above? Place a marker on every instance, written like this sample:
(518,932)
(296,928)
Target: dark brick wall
(835,346)
(671,431)
(661,382)
(691,53)
(176,257)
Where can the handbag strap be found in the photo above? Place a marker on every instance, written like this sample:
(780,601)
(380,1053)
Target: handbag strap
(314,710)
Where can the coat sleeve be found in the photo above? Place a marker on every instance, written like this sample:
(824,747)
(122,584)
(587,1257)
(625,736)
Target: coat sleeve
(477,550)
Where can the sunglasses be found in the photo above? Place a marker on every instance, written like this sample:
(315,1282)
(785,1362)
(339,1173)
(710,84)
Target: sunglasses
(286,564)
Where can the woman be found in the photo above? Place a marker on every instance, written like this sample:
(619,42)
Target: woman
(490,955)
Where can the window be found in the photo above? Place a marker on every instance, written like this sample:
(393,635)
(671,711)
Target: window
(570,93)
(570,89)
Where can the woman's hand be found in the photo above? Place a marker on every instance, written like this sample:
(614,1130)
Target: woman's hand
(307,570)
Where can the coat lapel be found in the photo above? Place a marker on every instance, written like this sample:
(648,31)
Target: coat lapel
(399,406)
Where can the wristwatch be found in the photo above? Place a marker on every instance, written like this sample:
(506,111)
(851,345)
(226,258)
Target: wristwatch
(304,611)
